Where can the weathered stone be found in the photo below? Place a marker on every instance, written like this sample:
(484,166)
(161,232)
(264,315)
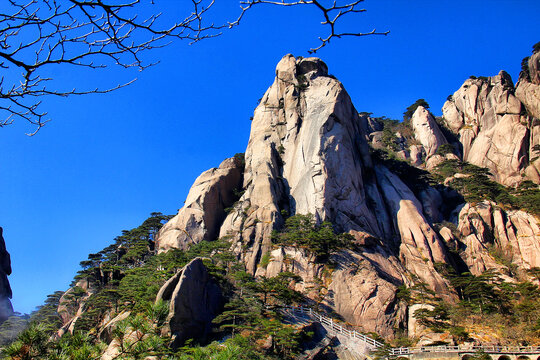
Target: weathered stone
(6,309)
(204,208)
(426,131)
(417,154)
(70,309)
(107,328)
(486,230)
(306,154)
(376,140)
(362,288)
(373,125)
(420,246)
(528,86)
(194,303)
(487,117)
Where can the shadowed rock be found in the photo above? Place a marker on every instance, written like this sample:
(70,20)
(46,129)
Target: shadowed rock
(195,299)
(6,309)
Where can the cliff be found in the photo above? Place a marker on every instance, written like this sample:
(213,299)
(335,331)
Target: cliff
(426,228)
(309,153)
(6,309)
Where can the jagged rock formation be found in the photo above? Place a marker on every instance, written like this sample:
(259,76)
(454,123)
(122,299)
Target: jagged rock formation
(308,153)
(204,209)
(528,86)
(6,309)
(489,121)
(195,299)
(491,236)
(528,91)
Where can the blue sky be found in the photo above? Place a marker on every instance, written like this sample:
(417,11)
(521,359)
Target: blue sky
(105,162)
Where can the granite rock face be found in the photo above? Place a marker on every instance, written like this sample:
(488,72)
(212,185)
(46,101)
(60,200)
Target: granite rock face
(488,119)
(6,309)
(427,131)
(528,86)
(195,299)
(487,231)
(204,209)
(308,153)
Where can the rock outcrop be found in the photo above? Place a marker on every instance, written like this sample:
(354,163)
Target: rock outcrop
(528,91)
(528,86)
(488,119)
(6,309)
(426,131)
(204,209)
(195,299)
(492,238)
(72,305)
(308,153)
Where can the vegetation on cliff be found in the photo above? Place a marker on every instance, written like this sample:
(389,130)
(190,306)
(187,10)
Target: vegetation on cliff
(124,278)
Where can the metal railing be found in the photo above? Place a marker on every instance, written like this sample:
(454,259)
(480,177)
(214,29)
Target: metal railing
(498,349)
(331,325)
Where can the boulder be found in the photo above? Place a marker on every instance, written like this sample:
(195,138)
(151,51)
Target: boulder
(417,154)
(204,209)
(195,300)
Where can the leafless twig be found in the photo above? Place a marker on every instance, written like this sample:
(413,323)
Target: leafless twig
(38,35)
(331,14)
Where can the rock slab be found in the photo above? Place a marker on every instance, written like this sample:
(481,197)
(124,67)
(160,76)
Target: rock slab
(195,299)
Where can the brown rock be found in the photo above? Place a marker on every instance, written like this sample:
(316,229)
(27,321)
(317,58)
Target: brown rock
(487,117)
(204,209)
(194,302)
(426,131)
(487,230)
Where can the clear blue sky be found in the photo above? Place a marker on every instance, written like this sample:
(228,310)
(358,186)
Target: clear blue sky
(105,162)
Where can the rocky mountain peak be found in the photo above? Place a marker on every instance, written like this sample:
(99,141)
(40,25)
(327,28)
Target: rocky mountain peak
(373,219)
(308,153)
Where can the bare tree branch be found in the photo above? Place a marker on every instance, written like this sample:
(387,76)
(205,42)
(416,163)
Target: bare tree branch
(37,35)
(331,14)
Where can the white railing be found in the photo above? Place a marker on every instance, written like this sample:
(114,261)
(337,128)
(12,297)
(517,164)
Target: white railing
(460,349)
(332,325)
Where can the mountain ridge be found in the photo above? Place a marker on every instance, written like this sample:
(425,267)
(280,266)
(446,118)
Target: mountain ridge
(388,222)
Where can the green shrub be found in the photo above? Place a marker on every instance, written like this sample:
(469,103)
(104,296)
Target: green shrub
(445,149)
(407,115)
(320,240)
